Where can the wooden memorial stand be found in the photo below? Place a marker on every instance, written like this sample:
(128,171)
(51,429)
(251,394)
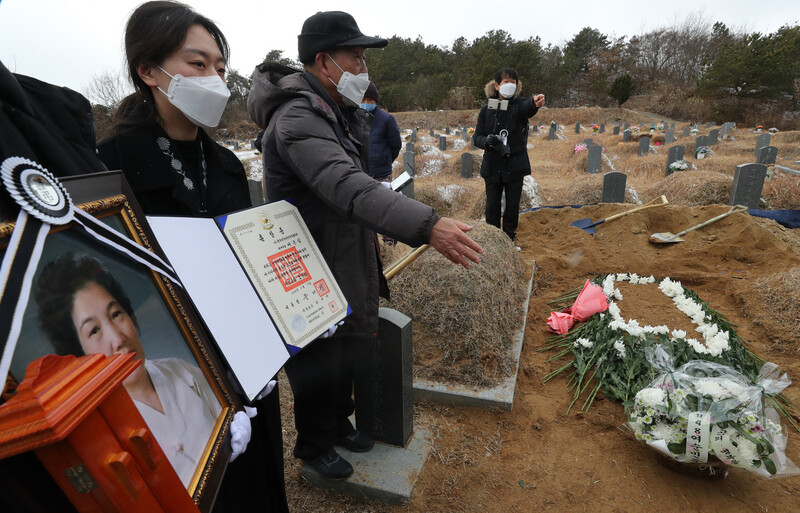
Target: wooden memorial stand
(84,428)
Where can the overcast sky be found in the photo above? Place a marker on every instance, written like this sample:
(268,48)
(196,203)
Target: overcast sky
(67,42)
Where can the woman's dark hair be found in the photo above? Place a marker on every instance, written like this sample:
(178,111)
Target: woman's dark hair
(60,280)
(154,31)
(506,73)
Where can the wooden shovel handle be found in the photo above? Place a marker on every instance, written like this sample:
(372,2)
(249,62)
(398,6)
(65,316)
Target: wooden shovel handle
(652,204)
(734,209)
(410,257)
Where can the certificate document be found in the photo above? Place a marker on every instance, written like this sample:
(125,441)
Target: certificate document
(287,270)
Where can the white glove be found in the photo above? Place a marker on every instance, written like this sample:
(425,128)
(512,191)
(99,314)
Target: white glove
(264,393)
(241,430)
(331,330)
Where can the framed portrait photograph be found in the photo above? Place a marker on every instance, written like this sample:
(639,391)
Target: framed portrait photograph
(87,297)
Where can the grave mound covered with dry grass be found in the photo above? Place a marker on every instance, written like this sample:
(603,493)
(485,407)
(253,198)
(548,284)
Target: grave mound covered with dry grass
(465,320)
(693,188)
(780,294)
(585,189)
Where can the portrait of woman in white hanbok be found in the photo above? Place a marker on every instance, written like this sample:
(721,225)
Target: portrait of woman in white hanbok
(83,309)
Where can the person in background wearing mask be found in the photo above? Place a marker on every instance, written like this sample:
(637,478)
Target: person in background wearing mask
(314,150)
(177,60)
(384,142)
(502,131)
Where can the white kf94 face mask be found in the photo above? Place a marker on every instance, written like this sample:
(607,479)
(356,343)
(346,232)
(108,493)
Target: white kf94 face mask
(201,99)
(508,89)
(351,87)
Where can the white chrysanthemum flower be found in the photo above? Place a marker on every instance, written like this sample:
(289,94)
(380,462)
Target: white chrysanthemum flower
(585,342)
(614,311)
(747,449)
(622,277)
(635,330)
(650,397)
(649,279)
(617,294)
(697,346)
(712,389)
(678,334)
(619,345)
(617,325)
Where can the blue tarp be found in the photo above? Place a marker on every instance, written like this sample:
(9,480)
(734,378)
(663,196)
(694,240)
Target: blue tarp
(787,218)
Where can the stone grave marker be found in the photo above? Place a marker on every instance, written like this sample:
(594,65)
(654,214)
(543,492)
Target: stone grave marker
(551,135)
(251,144)
(713,135)
(443,143)
(256,192)
(602,127)
(535,127)
(627,126)
(414,135)
(447,130)
(644,145)
(588,142)
(616,130)
(466,165)
(465,135)
(410,147)
(701,140)
(408,162)
(709,124)
(432,132)
(767,155)
(674,154)
(614,187)
(748,182)
(595,161)
(382,385)
(577,127)
(669,136)
(686,131)
(235,145)
(626,136)
(672,126)
(762,140)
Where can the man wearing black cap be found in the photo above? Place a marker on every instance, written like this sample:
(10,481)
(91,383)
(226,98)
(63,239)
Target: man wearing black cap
(314,149)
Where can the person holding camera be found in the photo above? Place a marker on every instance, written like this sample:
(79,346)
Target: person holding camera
(502,132)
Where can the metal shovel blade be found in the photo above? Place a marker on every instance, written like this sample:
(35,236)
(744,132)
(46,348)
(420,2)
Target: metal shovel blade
(665,238)
(586,224)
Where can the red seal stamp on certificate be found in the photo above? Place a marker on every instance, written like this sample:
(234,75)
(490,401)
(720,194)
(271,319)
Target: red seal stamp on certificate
(332,305)
(321,287)
(290,269)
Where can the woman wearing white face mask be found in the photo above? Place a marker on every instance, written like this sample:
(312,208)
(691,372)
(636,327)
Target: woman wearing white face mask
(176,60)
(502,131)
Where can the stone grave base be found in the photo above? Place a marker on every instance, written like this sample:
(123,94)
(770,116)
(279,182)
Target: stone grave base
(386,473)
(499,397)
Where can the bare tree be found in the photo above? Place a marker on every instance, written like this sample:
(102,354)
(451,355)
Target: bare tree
(107,89)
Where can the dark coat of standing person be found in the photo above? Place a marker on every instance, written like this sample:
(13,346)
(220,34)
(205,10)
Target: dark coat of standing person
(314,150)
(502,131)
(177,61)
(384,137)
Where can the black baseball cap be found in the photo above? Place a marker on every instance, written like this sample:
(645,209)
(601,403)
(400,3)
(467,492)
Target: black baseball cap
(332,29)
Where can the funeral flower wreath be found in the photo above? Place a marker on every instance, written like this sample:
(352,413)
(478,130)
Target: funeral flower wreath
(710,381)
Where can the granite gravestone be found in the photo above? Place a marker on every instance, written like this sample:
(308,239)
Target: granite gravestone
(701,140)
(686,131)
(748,182)
(669,136)
(674,154)
(767,155)
(644,145)
(414,135)
(602,128)
(447,130)
(383,381)
(588,142)
(616,130)
(762,140)
(551,135)
(410,147)
(614,187)
(627,126)
(466,165)
(577,127)
(408,162)
(713,135)
(626,136)
(442,143)
(595,161)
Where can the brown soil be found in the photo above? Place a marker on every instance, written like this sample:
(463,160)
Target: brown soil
(541,458)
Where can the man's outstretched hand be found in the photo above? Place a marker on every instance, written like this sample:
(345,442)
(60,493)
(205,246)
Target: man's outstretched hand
(449,238)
